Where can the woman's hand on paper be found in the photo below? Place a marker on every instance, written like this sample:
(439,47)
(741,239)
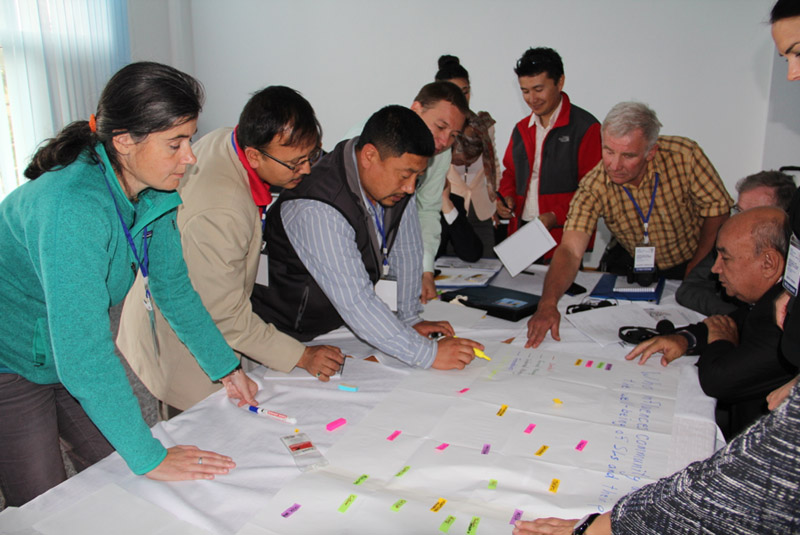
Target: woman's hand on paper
(321,361)
(190,462)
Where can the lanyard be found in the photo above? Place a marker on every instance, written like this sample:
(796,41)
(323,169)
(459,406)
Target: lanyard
(382,231)
(144,261)
(645,220)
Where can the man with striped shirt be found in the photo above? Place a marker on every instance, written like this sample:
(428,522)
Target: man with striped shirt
(351,231)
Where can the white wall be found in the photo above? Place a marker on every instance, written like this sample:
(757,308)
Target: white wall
(704,65)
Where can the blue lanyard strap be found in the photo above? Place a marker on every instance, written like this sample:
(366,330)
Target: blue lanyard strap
(645,220)
(381,230)
(145,260)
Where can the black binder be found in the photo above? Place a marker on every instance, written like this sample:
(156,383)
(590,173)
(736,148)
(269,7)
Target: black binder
(498,302)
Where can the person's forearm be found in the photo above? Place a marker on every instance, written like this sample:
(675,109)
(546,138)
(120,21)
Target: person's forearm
(560,276)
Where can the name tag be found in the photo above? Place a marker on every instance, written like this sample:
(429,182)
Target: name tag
(386,290)
(262,273)
(791,275)
(644,259)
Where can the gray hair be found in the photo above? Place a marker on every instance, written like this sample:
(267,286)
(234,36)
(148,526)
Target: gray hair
(771,232)
(626,117)
(782,185)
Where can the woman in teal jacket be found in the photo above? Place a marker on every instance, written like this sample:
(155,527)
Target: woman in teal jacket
(101,205)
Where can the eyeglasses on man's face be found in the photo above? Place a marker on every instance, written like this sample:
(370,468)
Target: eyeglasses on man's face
(310,158)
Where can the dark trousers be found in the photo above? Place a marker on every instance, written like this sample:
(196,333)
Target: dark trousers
(34,420)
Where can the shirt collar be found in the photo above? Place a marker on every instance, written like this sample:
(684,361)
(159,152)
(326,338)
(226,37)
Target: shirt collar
(534,120)
(258,188)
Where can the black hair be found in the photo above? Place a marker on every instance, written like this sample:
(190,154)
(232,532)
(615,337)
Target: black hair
(450,68)
(277,110)
(535,61)
(140,99)
(434,92)
(396,130)
(784,9)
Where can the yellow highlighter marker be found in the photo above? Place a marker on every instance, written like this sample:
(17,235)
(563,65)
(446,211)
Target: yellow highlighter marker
(478,353)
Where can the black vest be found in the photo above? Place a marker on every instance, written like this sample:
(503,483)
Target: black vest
(293,302)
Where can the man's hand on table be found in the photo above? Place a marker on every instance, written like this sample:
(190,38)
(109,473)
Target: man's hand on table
(239,386)
(455,353)
(546,318)
(321,361)
(190,462)
(671,346)
(428,328)
(722,328)
(561,526)
(428,287)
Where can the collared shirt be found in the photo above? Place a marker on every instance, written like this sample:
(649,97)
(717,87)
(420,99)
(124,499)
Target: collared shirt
(531,210)
(689,190)
(326,244)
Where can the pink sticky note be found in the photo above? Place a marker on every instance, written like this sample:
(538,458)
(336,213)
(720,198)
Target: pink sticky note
(393,435)
(463,390)
(589,363)
(443,446)
(290,511)
(581,445)
(336,423)
(485,449)
(530,428)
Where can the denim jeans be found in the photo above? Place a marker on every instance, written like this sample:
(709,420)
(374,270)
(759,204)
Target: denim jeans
(36,419)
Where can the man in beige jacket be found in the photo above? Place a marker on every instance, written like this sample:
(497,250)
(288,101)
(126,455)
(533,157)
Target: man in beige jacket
(225,197)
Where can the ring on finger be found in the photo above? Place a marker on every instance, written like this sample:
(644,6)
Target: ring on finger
(200,460)
(318,374)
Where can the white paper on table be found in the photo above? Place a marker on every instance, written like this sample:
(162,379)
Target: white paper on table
(524,247)
(602,324)
(488,264)
(114,510)
(457,315)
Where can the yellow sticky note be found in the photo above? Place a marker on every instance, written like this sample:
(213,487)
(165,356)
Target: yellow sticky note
(557,401)
(554,486)
(438,505)
(502,410)
(541,450)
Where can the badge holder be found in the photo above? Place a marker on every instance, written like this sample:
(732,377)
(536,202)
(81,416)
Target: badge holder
(791,275)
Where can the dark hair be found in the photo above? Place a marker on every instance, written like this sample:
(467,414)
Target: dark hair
(782,185)
(450,68)
(535,61)
(396,130)
(277,110)
(784,9)
(435,92)
(140,99)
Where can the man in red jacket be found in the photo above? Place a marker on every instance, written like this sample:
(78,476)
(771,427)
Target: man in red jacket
(550,151)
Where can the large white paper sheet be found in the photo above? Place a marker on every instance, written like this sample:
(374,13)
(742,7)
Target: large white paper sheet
(524,247)
(602,324)
(537,431)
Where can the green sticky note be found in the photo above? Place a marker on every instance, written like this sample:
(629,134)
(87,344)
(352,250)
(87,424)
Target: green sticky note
(473,525)
(445,527)
(493,484)
(361,479)
(398,504)
(403,471)
(601,364)
(347,503)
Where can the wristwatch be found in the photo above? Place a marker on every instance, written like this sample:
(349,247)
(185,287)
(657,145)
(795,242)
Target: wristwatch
(584,523)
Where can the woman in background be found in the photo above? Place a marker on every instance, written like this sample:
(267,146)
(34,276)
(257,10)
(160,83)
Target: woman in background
(100,206)
(470,191)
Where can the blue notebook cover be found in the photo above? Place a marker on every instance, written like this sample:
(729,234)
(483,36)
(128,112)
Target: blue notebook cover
(605,290)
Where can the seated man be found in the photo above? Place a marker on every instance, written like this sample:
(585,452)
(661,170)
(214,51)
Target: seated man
(700,290)
(225,195)
(740,357)
(654,192)
(550,151)
(341,236)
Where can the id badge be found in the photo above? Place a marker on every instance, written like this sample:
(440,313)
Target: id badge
(791,275)
(386,290)
(262,273)
(644,258)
